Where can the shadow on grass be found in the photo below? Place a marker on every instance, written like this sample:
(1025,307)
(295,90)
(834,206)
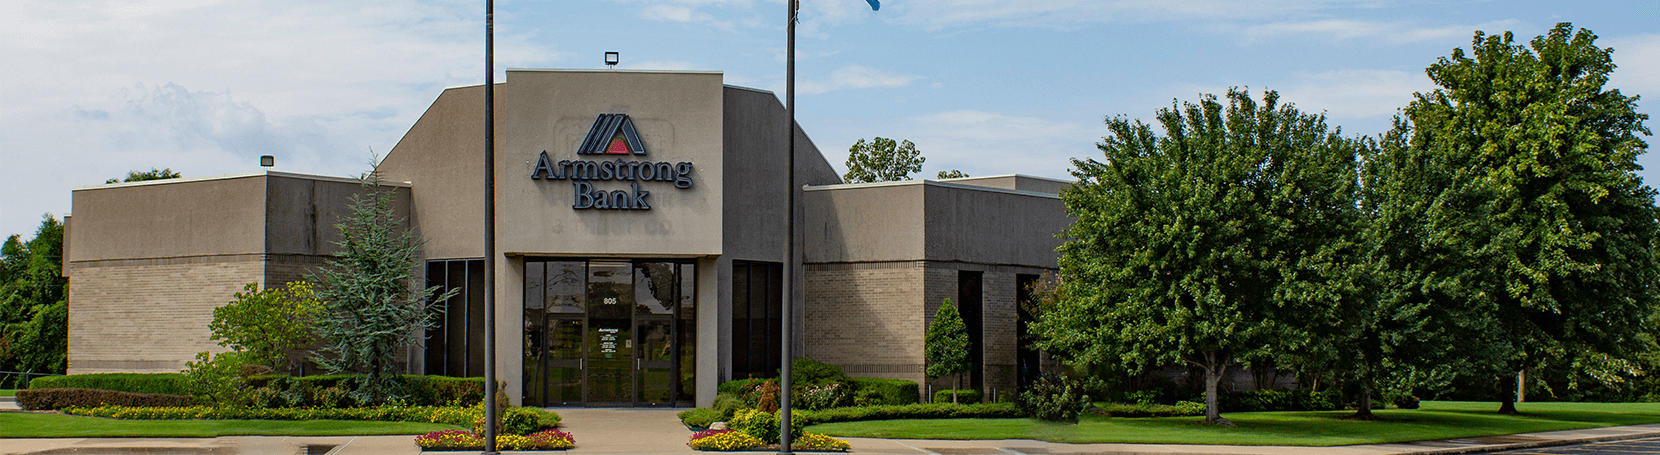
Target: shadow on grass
(1324,428)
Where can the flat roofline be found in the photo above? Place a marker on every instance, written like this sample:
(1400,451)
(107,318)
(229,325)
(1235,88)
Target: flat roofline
(263,173)
(752,89)
(572,70)
(1024,176)
(855,186)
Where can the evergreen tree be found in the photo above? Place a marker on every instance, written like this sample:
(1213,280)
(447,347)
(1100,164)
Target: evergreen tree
(946,346)
(152,174)
(372,307)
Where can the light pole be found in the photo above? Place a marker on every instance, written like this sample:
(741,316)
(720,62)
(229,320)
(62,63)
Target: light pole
(492,415)
(788,321)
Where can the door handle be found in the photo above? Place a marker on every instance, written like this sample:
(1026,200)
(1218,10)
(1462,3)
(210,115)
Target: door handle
(636,364)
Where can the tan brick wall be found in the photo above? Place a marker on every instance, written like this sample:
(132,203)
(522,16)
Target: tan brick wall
(868,319)
(865,318)
(150,315)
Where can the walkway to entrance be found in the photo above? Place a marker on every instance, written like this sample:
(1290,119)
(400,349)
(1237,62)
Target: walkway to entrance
(625,430)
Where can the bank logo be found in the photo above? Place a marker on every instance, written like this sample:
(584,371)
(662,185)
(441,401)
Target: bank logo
(612,134)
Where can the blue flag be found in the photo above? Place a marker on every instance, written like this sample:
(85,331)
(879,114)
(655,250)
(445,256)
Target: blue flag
(874,5)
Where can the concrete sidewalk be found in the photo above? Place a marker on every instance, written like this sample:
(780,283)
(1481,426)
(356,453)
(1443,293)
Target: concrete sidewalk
(658,431)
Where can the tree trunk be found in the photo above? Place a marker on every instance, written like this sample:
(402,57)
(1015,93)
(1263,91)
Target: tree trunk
(956,386)
(1508,406)
(1215,365)
(1365,411)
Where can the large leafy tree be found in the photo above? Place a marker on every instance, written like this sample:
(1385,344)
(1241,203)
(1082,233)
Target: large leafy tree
(372,307)
(1535,217)
(945,346)
(34,304)
(1206,244)
(152,174)
(882,160)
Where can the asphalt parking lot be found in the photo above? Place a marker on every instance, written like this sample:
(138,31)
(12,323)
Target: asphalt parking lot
(1634,446)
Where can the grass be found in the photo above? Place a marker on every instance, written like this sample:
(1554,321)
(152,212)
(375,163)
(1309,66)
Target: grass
(8,392)
(39,425)
(1435,420)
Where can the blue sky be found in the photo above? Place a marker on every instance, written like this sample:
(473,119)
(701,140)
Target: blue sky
(92,89)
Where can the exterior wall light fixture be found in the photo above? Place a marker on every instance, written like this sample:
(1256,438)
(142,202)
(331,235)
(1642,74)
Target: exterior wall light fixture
(267,161)
(611,59)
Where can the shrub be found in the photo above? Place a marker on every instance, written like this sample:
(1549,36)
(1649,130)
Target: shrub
(700,417)
(520,421)
(909,411)
(1054,398)
(879,391)
(724,440)
(58,398)
(1278,400)
(152,383)
(217,378)
(414,390)
(805,371)
(434,414)
(740,387)
(1406,402)
(964,396)
(763,425)
(815,441)
(728,405)
(824,396)
(1181,409)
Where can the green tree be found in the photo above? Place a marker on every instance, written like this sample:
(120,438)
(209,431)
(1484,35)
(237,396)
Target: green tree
(372,308)
(34,304)
(882,160)
(152,174)
(268,325)
(951,174)
(1205,245)
(1536,215)
(945,346)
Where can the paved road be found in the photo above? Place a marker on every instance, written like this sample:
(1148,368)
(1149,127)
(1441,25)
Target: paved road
(1631,447)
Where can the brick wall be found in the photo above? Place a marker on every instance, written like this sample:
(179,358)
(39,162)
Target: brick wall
(870,318)
(150,315)
(864,317)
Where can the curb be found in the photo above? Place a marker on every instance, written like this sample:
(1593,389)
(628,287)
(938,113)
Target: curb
(1530,445)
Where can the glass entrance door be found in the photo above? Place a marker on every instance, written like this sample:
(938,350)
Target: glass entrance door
(611,363)
(609,333)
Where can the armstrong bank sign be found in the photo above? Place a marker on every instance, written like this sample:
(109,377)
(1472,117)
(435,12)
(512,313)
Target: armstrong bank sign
(613,135)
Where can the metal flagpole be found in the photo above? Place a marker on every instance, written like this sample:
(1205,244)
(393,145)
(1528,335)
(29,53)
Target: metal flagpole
(492,415)
(788,322)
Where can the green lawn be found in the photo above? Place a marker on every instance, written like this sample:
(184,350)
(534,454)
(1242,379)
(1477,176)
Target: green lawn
(8,392)
(1436,420)
(32,425)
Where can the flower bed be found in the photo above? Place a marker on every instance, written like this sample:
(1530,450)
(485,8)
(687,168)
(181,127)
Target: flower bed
(461,440)
(757,430)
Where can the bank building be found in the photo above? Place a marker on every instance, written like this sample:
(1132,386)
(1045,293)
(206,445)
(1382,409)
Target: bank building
(640,247)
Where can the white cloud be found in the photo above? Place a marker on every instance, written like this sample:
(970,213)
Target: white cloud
(1354,93)
(1392,32)
(96,88)
(854,77)
(985,143)
(1637,70)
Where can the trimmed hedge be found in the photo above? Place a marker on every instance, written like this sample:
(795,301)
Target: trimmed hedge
(964,396)
(58,398)
(150,383)
(417,390)
(910,411)
(521,419)
(1181,409)
(885,392)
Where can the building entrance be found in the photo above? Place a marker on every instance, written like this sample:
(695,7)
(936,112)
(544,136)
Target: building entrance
(609,333)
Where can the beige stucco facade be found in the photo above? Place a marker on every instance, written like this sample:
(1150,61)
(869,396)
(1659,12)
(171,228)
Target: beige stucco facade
(702,182)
